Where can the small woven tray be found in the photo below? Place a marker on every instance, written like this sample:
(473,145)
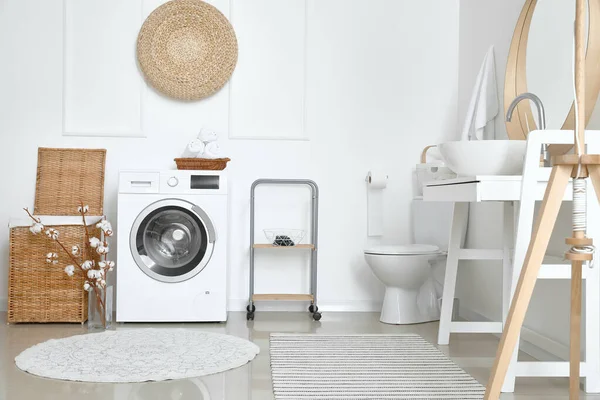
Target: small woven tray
(216,164)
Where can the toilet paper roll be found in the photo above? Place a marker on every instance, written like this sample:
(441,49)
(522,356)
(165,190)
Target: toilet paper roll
(376,182)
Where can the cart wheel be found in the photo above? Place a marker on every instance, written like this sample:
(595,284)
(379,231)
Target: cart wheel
(317,316)
(250,316)
(250,310)
(313,308)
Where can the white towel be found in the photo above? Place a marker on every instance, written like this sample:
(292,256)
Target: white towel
(484,105)
(207,136)
(212,150)
(193,149)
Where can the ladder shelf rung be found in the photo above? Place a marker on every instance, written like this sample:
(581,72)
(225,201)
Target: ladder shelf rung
(480,254)
(475,327)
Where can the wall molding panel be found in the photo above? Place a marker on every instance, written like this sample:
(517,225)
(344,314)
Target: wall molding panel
(268,87)
(102,88)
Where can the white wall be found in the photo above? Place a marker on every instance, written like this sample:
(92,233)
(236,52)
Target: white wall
(483,23)
(381,83)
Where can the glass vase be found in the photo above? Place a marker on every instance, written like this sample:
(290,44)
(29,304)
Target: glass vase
(100,308)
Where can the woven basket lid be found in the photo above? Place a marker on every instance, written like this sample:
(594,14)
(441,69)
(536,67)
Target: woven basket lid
(187,49)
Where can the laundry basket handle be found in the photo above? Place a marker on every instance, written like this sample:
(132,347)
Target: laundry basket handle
(424,153)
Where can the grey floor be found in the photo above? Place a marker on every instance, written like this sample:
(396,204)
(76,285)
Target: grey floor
(473,352)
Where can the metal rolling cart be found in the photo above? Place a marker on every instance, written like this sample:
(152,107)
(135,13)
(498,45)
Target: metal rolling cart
(312,247)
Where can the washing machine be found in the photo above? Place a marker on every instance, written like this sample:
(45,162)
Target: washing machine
(172,246)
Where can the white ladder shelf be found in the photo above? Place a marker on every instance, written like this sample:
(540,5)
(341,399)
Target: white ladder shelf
(508,190)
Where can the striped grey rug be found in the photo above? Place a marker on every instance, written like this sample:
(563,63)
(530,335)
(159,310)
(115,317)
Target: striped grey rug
(366,367)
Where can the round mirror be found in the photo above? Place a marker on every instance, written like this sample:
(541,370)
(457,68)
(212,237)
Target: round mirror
(549,65)
(541,62)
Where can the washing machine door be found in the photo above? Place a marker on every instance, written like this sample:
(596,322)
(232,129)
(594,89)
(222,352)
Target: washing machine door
(172,240)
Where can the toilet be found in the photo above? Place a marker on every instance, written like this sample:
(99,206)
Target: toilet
(413,273)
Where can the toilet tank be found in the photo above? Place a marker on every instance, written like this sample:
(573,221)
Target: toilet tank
(431,222)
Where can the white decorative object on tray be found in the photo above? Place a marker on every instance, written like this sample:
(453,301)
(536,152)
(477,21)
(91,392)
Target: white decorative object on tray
(429,172)
(137,355)
(284,237)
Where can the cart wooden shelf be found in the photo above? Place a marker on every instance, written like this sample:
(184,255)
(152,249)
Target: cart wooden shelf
(283,297)
(312,247)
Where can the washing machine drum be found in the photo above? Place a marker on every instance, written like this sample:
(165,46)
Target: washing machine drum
(172,240)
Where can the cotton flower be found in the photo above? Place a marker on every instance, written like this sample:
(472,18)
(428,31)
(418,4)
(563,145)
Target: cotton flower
(110,265)
(86,265)
(70,270)
(86,286)
(83,209)
(52,258)
(94,242)
(52,233)
(101,249)
(102,283)
(102,264)
(36,228)
(75,250)
(104,225)
(94,274)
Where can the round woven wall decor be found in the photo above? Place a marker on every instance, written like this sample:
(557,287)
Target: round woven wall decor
(187,49)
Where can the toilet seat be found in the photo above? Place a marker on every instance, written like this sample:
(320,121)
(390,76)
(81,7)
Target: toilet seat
(403,250)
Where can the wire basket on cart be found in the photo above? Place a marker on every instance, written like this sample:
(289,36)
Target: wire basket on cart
(284,237)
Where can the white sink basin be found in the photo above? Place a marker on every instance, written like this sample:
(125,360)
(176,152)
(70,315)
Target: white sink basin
(484,157)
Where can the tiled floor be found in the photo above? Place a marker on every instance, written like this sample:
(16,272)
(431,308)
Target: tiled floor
(473,352)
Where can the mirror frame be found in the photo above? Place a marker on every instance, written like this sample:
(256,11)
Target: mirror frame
(516,75)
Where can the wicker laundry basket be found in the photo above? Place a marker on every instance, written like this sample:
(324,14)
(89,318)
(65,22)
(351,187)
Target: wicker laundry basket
(66,177)
(42,292)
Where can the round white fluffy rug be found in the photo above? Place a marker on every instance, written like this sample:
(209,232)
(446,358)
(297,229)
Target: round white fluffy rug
(136,355)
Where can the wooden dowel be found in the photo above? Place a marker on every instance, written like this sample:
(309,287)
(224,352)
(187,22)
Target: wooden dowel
(575,334)
(575,322)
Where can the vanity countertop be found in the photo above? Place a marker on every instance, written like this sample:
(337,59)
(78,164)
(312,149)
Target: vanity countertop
(484,188)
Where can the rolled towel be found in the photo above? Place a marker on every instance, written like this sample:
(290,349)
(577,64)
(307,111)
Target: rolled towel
(212,150)
(193,149)
(207,136)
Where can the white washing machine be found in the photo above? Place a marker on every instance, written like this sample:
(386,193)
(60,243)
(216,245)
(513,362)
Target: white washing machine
(172,246)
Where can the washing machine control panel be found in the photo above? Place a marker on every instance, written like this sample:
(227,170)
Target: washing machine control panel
(193,182)
(173,182)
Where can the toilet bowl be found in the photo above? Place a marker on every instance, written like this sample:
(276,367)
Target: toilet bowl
(404,270)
